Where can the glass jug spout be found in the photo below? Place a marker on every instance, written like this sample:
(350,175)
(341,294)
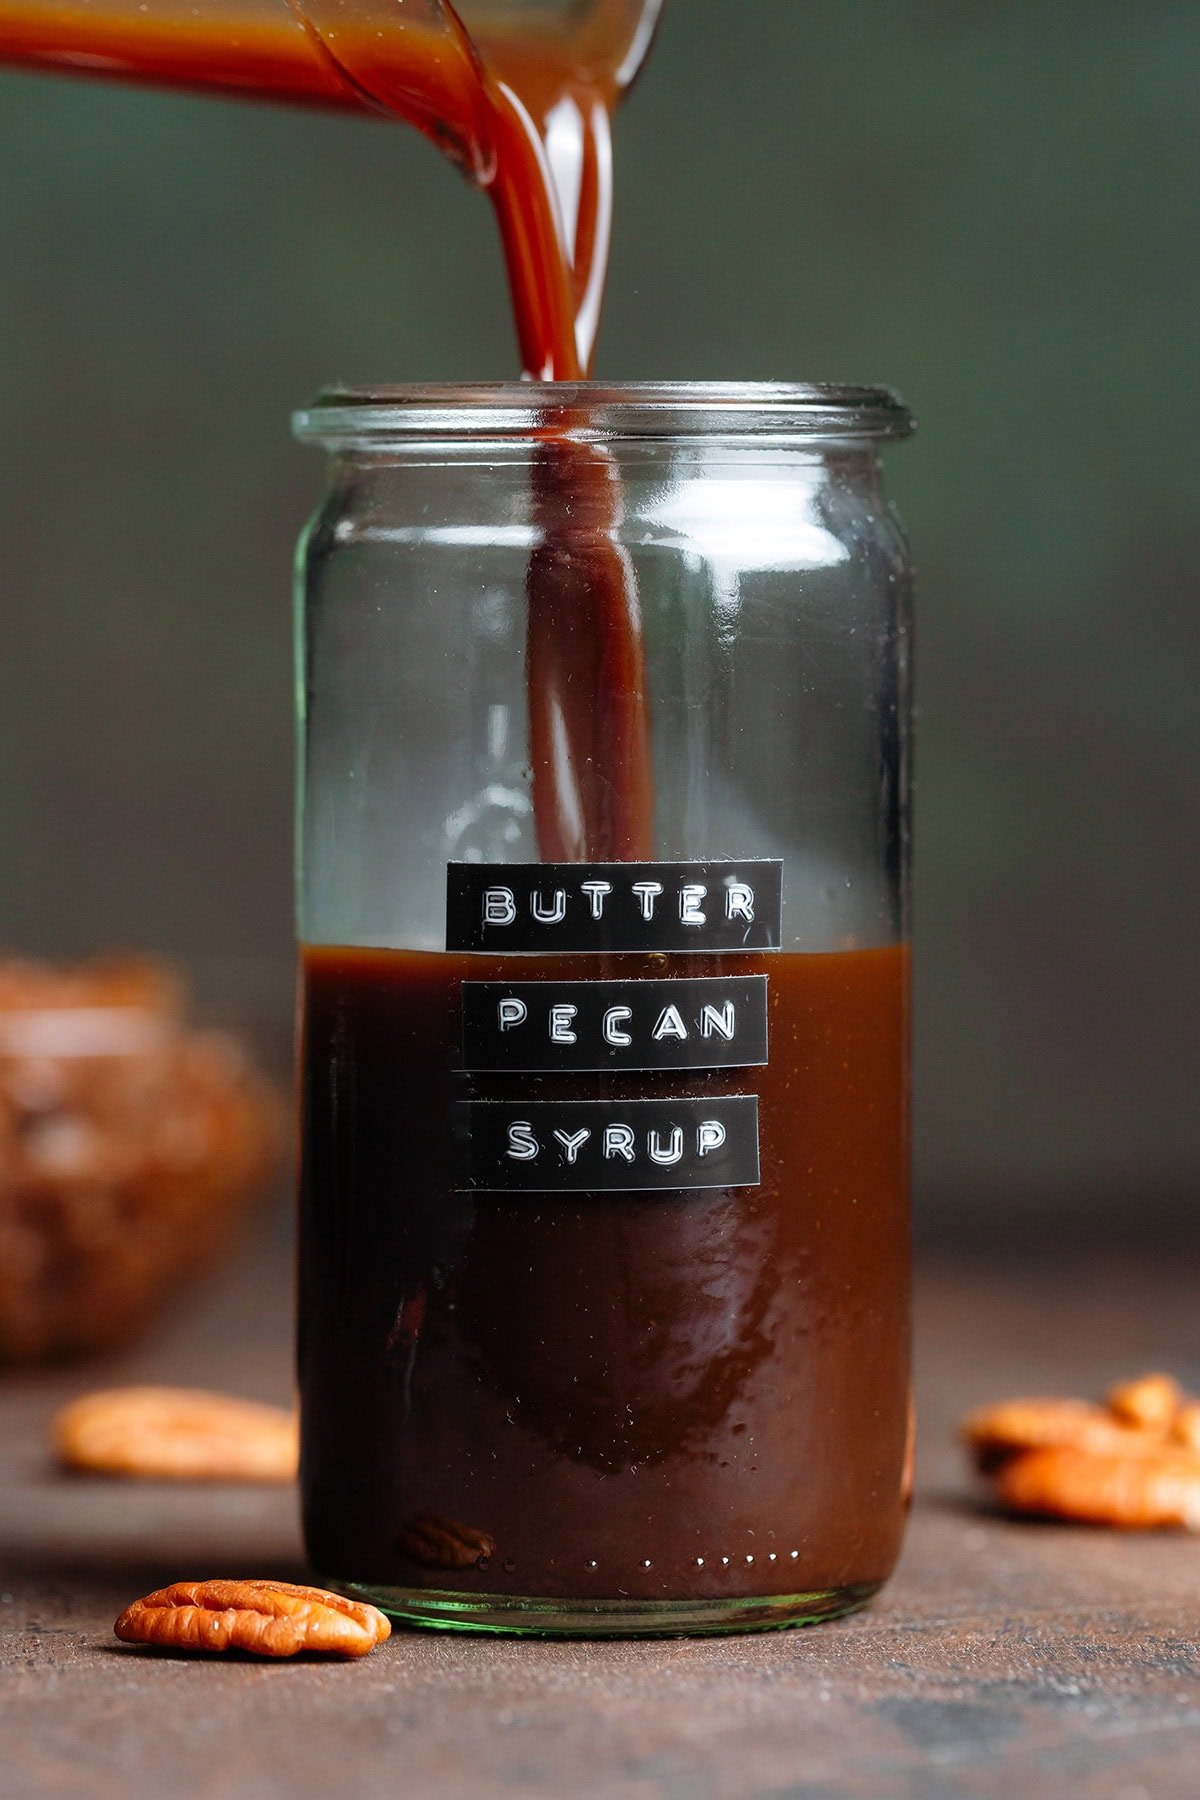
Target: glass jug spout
(420,59)
(347,54)
(519,93)
(431,61)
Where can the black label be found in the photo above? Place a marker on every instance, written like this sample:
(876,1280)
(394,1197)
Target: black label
(614,907)
(581,1146)
(711,1022)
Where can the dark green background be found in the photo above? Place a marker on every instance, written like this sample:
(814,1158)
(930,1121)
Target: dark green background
(990,206)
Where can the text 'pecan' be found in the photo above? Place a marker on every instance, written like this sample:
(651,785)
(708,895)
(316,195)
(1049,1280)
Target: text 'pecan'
(261,1618)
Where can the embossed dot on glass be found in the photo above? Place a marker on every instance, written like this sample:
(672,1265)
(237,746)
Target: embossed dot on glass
(603,915)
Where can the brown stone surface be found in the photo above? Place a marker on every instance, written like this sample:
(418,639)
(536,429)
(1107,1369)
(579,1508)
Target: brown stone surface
(1006,1660)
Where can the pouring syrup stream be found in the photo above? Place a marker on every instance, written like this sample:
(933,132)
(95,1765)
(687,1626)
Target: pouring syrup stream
(524,105)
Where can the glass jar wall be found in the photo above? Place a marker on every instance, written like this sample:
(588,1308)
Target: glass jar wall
(603,912)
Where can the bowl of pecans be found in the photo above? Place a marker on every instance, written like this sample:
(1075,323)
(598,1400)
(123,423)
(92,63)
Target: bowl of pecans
(131,1144)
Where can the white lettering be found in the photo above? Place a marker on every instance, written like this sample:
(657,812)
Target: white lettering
(499,906)
(690,896)
(596,891)
(739,901)
(720,1019)
(647,893)
(522,1145)
(511,1012)
(618,1141)
(672,1153)
(612,1019)
(572,1142)
(555,913)
(710,1135)
(669,1024)
(560,1025)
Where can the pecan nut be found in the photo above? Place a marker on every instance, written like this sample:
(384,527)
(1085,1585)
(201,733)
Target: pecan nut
(440,1543)
(1141,1492)
(262,1618)
(1151,1400)
(996,1433)
(1185,1426)
(1133,1462)
(177,1434)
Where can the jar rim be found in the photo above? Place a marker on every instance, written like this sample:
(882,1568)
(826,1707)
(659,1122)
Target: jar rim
(348,419)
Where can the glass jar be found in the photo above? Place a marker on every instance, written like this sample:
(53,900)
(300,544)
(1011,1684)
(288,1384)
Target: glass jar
(603,907)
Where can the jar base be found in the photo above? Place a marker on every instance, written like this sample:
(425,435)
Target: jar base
(516,1615)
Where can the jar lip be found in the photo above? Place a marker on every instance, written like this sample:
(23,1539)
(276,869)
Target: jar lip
(347,419)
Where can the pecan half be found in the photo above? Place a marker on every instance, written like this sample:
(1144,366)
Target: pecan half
(1141,1492)
(1151,1400)
(263,1618)
(177,1434)
(440,1543)
(1185,1426)
(996,1433)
